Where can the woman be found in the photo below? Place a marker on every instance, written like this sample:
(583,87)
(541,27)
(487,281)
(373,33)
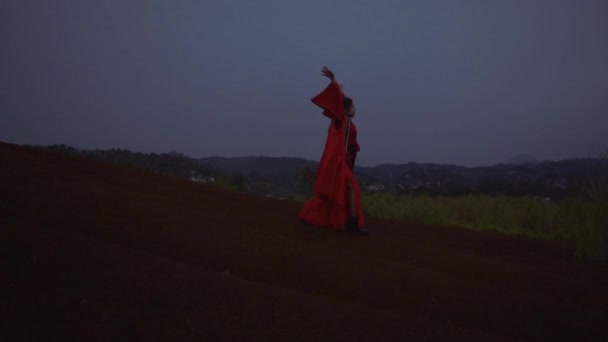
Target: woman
(337,200)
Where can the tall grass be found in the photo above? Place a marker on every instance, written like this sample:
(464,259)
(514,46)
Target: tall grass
(584,222)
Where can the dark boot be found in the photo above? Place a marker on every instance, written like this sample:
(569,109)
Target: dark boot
(353,227)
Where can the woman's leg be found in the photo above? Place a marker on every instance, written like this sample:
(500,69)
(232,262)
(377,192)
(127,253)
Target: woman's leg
(350,158)
(353,212)
(353,224)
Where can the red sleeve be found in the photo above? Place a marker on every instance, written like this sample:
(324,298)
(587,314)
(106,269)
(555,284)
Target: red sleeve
(331,99)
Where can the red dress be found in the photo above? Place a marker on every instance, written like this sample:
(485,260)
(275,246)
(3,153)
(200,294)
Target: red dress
(330,205)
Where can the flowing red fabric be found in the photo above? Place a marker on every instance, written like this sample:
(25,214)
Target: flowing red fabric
(330,205)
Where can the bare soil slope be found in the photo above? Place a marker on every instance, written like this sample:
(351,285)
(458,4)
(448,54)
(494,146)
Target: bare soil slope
(96,251)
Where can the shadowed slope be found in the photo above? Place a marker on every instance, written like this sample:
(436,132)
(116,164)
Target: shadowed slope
(97,251)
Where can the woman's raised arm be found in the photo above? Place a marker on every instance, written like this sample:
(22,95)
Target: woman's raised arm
(331,99)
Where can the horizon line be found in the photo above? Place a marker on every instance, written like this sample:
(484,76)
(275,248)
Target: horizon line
(536,161)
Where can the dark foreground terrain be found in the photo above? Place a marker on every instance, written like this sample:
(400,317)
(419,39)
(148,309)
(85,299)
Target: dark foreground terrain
(94,251)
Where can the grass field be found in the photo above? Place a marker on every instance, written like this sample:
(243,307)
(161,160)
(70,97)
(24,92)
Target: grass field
(583,222)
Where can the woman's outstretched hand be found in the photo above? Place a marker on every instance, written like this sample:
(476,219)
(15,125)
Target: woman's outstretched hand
(328,73)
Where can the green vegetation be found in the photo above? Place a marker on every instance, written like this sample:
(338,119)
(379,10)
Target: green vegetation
(583,221)
(225,182)
(306,180)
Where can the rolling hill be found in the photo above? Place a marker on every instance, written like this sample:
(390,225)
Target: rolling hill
(98,251)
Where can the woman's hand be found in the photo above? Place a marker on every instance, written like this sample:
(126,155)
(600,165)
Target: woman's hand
(328,73)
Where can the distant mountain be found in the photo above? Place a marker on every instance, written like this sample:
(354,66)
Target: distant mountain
(521,158)
(172,163)
(258,165)
(278,175)
(522,175)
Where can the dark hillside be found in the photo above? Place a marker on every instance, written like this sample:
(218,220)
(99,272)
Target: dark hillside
(97,251)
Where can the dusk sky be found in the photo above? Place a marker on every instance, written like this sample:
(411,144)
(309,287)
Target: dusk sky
(461,82)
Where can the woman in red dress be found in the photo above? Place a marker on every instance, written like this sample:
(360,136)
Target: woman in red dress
(337,197)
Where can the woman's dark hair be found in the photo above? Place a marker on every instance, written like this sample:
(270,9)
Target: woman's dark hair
(348,102)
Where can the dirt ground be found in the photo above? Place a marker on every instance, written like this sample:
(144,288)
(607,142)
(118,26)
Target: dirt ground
(94,251)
